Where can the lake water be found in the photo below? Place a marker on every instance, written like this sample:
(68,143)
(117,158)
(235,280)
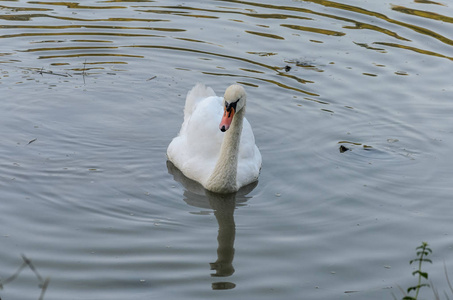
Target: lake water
(92,92)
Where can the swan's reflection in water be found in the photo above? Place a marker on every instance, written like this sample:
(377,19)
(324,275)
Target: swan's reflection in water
(223,206)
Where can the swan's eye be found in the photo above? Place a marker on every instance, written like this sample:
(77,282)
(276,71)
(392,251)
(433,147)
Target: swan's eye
(229,106)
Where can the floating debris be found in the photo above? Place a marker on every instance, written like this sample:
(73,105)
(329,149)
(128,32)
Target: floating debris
(33,140)
(223,285)
(344,149)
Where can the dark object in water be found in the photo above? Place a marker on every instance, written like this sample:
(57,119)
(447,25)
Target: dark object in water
(344,149)
(287,68)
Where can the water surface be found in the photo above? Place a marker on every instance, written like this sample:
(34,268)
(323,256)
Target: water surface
(93,92)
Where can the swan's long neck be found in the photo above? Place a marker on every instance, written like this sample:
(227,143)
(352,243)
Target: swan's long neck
(223,178)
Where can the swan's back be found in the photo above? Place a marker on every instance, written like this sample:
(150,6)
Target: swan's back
(195,150)
(197,93)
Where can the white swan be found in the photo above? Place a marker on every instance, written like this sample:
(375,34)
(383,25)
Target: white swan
(222,160)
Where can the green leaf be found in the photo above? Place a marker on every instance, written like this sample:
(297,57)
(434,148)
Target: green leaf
(424,274)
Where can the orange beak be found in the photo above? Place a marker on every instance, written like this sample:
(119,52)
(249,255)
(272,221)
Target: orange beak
(227,119)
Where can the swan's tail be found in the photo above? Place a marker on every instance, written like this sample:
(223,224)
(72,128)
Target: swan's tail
(199,91)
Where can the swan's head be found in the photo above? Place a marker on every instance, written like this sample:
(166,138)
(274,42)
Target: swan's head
(233,101)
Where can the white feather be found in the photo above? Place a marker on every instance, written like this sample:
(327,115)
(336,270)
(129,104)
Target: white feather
(196,149)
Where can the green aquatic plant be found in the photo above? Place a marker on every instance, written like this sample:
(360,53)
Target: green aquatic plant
(422,252)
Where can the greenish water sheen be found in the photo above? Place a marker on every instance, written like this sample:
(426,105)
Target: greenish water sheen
(351,106)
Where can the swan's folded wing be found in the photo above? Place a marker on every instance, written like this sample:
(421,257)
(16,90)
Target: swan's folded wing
(196,149)
(197,93)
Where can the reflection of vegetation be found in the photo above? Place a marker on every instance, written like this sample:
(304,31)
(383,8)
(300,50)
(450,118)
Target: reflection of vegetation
(422,13)
(415,49)
(43,283)
(315,30)
(422,252)
(268,35)
(428,2)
